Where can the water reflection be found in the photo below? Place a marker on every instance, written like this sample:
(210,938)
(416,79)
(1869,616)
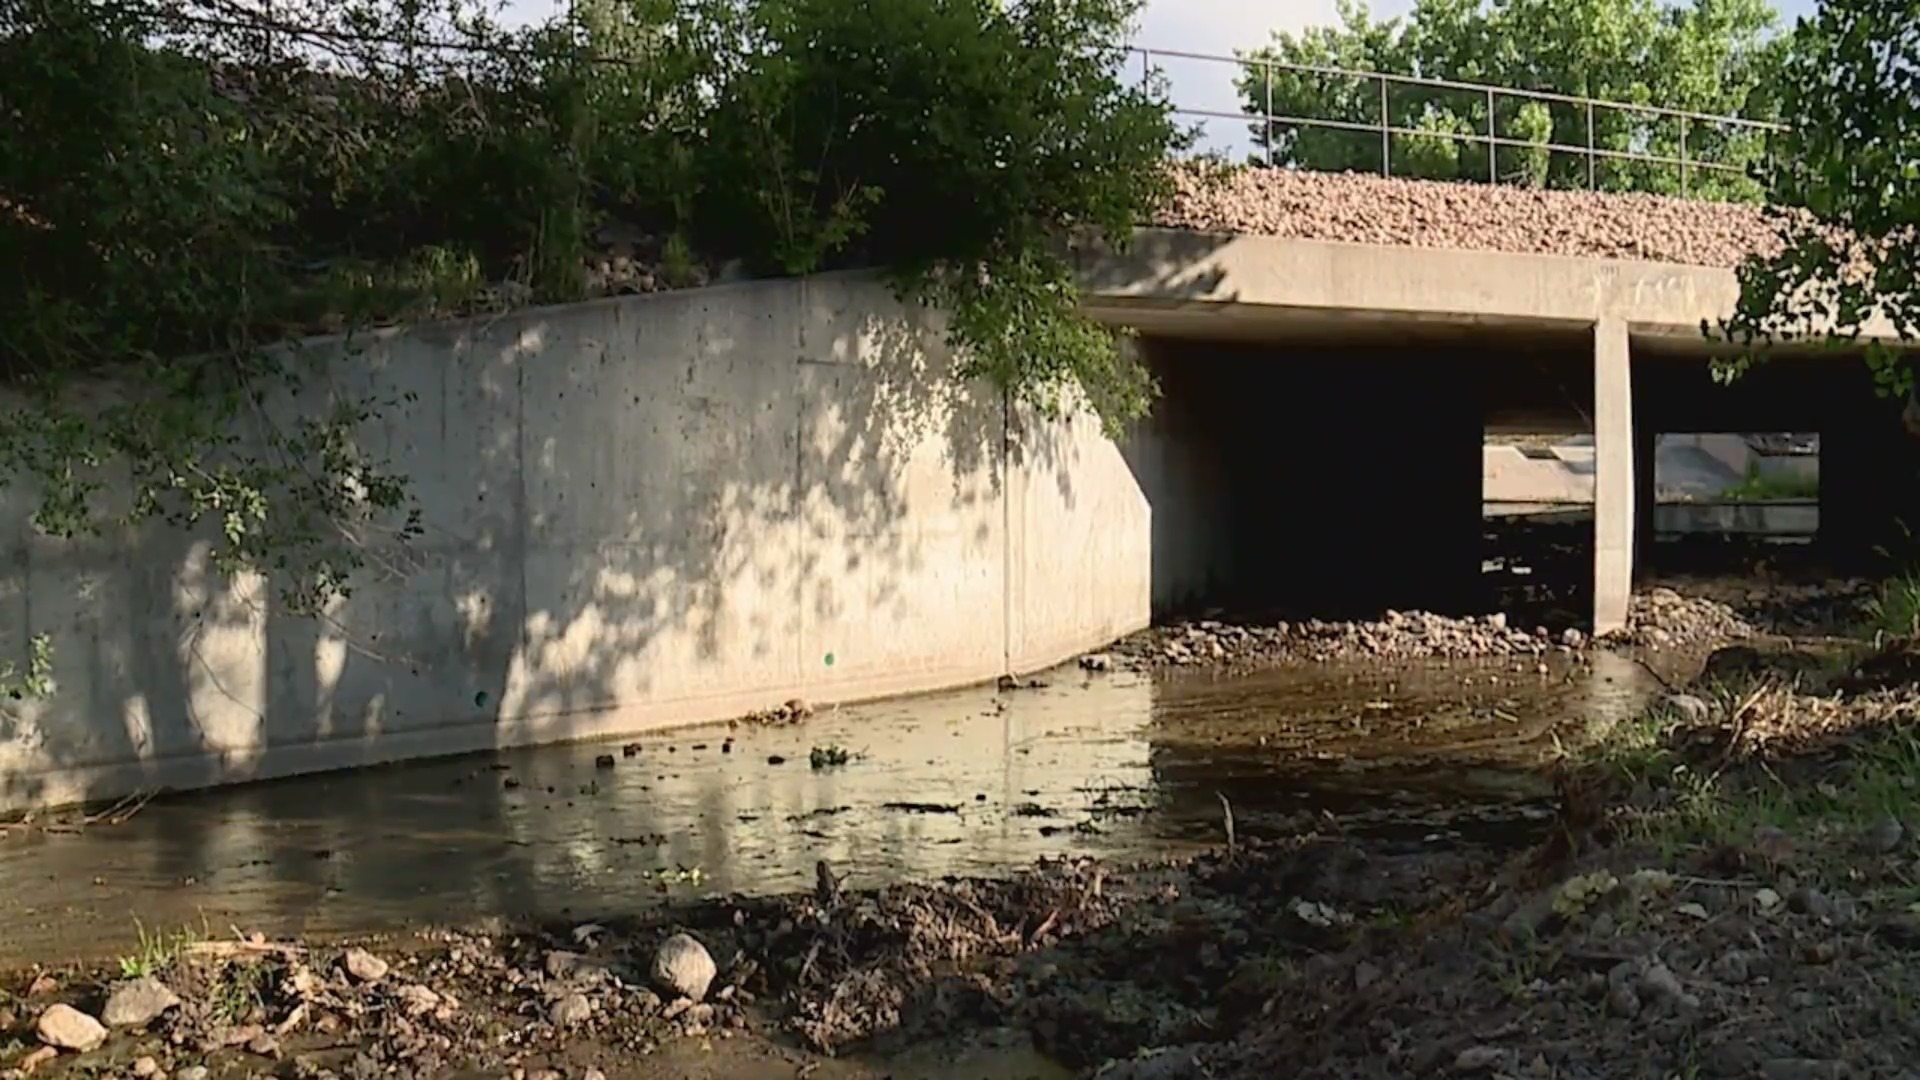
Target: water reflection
(970,782)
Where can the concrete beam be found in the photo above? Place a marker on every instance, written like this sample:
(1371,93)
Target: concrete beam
(1614,506)
(1189,284)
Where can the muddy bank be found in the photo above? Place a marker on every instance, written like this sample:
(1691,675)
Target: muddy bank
(1089,962)
(1320,957)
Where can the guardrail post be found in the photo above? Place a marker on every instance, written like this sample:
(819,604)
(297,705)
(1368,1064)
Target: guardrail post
(1493,148)
(1592,183)
(1268,120)
(1683,155)
(1386,132)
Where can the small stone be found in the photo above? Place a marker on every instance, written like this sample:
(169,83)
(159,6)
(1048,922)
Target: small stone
(192,1072)
(364,966)
(67,1028)
(242,1035)
(1096,662)
(1766,899)
(559,962)
(570,1010)
(1622,1001)
(264,1045)
(1804,1069)
(1659,982)
(1689,708)
(604,761)
(138,1002)
(1810,901)
(632,749)
(1497,620)
(1733,967)
(145,1067)
(683,966)
(1884,836)
(1478,1059)
(593,1074)
(1365,975)
(418,999)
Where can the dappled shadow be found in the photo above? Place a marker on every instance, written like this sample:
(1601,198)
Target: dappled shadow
(637,512)
(1155,265)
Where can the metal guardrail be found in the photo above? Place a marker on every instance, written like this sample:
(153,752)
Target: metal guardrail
(1491,139)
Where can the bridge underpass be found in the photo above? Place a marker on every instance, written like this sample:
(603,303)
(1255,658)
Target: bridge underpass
(1318,447)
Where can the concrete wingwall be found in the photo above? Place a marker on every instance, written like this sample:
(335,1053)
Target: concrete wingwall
(639,512)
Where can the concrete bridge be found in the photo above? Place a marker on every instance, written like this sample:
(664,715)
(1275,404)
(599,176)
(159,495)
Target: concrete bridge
(675,508)
(1271,346)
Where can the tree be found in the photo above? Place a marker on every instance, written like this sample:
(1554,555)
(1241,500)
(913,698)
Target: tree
(1846,181)
(1714,57)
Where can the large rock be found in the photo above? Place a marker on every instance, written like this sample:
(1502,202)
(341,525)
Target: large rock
(683,966)
(64,1027)
(138,1002)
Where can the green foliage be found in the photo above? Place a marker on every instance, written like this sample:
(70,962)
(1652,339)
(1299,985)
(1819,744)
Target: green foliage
(156,952)
(1757,486)
(1848,183)
(180,195)
(841,127)
(1894,611)
(1713,57)
(36,679)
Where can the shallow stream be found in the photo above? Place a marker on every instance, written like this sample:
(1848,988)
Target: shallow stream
(977,781)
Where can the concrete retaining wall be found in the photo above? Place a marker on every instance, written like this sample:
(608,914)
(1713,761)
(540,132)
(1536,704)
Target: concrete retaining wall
(640,512)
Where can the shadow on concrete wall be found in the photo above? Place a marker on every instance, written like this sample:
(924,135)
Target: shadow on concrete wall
(608,517)
(637,499)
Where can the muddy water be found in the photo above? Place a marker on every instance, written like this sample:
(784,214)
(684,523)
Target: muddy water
(971,782)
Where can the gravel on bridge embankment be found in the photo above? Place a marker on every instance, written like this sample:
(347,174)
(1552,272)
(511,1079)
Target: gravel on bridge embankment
(1367,209)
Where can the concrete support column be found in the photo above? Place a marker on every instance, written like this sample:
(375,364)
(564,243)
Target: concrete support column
(1614,475)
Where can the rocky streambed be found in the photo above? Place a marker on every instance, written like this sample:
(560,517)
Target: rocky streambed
(1661,618)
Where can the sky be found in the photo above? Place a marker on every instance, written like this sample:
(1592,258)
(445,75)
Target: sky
(1216,28)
